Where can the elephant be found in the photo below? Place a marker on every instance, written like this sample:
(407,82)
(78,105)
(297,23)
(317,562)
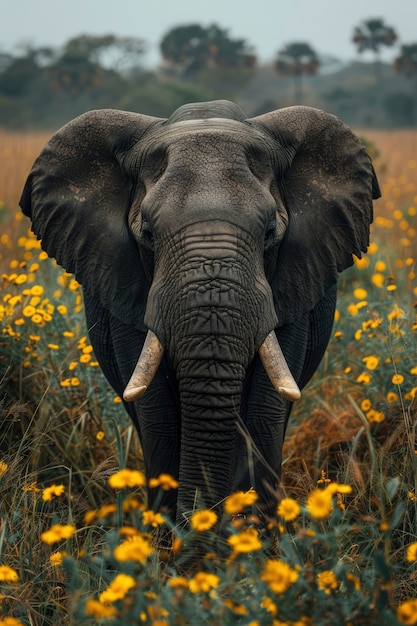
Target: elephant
(208,246)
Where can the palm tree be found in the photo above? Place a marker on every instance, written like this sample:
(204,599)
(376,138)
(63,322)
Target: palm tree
(297,59)
(371,35)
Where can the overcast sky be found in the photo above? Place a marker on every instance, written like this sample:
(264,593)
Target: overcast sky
(327,25)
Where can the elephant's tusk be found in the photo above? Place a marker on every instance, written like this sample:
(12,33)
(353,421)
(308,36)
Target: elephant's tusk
(145,369)
(277,369)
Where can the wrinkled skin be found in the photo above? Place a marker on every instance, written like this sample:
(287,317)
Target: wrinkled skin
(210,230)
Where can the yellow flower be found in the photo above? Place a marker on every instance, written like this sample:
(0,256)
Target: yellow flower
(371,362)
(378,279)
(354,580)
(117,589)
(56,558)
(411,553)
(61,308)
(271,607)
(57,533)
(203,520)
(334,488)
(3,468)
(360,294)
(164,481)
(327,581)
(152,518)
(135,548)
(364,378)
(245,541)
(94,608)
(319,503)
(380,266)
(127,478)
(238,609)
(53,491)
(178,582)
(288,509)
(37,290)
(237,502)
(100,435)
(375,416)
(397,379)
(353,309)
(204,581)
(407,612)
(10,621)
(278,575)
(7,574)
(366,404)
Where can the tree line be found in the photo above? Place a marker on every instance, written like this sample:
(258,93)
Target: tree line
(45,87)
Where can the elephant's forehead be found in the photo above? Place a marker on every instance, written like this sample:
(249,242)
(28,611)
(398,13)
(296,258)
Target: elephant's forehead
(222,129)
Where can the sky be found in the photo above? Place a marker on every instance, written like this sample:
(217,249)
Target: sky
(327,25)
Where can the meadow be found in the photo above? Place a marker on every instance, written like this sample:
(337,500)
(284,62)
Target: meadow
(76,536)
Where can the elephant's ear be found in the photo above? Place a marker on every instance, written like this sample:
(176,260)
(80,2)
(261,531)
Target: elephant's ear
(78,196)
(327,190)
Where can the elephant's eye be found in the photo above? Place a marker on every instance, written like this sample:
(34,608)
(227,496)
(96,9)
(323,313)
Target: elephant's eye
(146,236)
(270,234)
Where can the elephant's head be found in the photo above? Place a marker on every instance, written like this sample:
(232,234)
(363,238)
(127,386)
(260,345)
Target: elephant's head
(210,230)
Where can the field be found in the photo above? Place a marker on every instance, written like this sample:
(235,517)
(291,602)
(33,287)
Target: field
(76,545)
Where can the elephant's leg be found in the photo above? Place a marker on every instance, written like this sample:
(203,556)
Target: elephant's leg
(156,415)
(265,415)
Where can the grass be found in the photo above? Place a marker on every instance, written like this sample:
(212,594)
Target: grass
(76,550)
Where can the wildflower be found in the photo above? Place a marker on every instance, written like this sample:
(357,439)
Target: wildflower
(10,621)
(56,558)
(378,279)
(380,266)
(288,509)
(397,379)
(364,378)
(203,520)
(392,397)
(411,553)
(354,580)
(152,518)
(178,582)
(327,581)
(319,503)
(334,488)
(245,541)
(7,574)
(57,533)
(278,575)
(204,581)
(62,309)
(135,548)
(3,468)
(374,416)
(407,612)
(371,362)
(353,309)
(270,606)
(53,491)
(164,481)
(360,293)
(117,589)
(94,608)
(366,404)
(127,478)
(237,502)
(235,607)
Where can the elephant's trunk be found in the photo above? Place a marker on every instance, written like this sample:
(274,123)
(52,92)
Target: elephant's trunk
(212,316)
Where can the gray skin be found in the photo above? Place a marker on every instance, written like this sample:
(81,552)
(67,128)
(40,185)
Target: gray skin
(211,230)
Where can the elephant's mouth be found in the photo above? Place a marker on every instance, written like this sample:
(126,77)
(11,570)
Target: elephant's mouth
(270,354)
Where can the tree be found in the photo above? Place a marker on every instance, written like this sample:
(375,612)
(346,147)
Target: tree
(406,62)
(80,67)
(297,59)
(371,35)
(193,48)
